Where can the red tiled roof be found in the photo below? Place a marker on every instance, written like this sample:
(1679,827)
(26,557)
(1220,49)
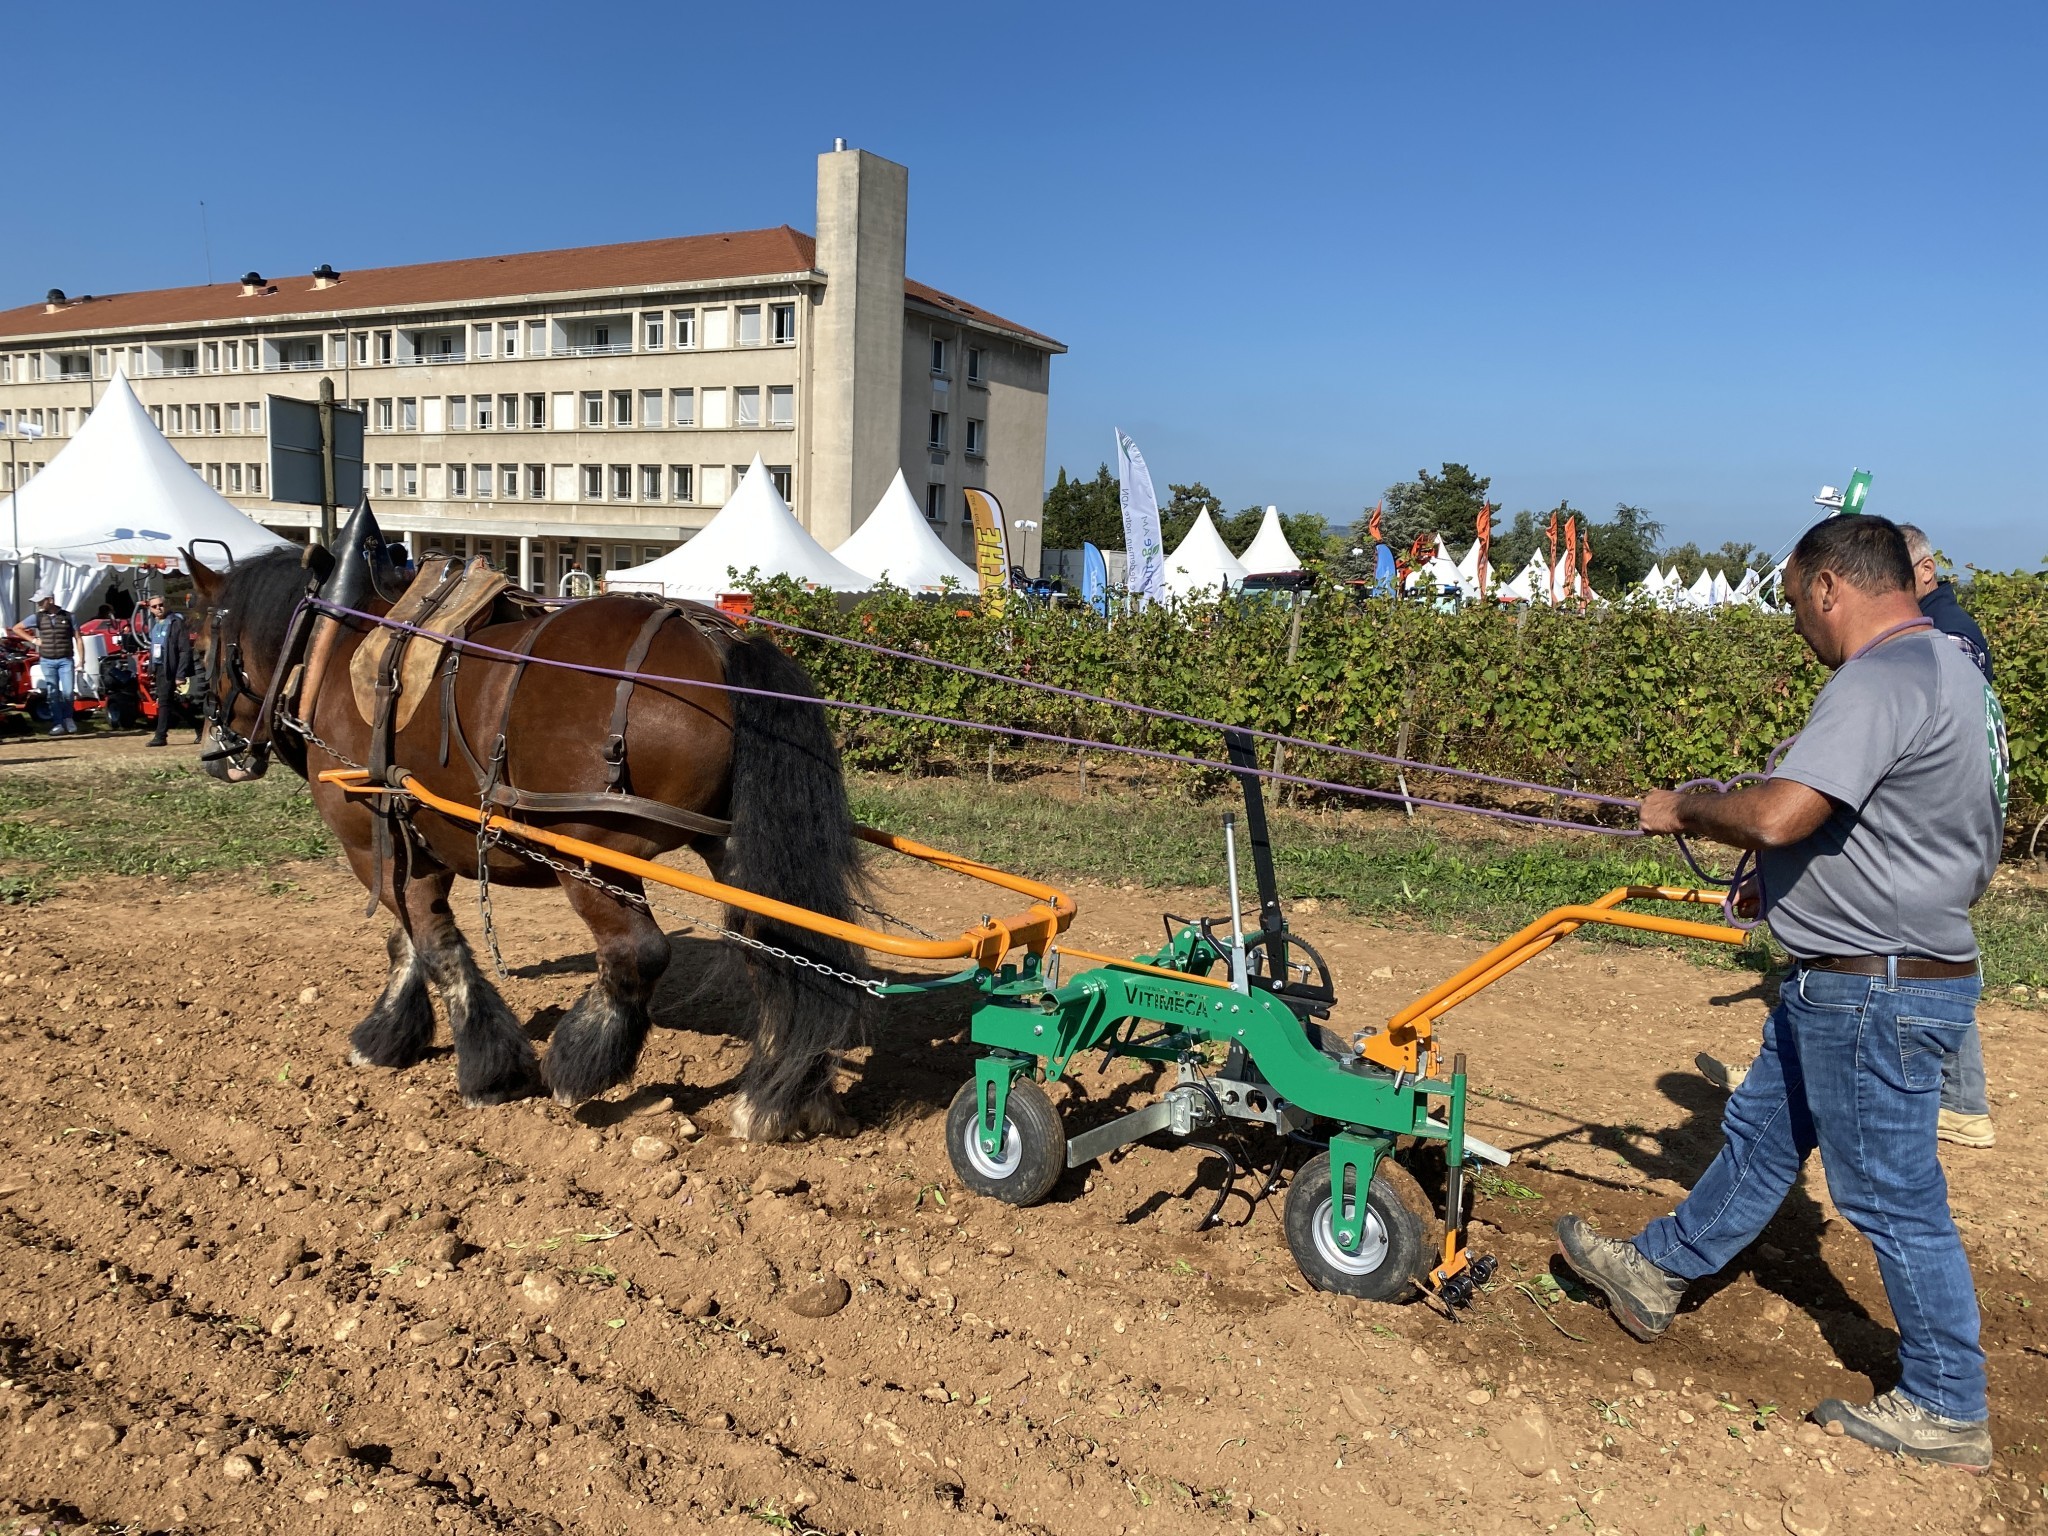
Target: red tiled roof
(640,264)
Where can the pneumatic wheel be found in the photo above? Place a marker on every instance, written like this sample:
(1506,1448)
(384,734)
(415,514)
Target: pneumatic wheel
(1034,1149)
(1394,1255)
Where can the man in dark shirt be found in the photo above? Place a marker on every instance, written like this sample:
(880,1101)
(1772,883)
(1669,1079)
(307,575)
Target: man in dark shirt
(170,663)
(51,630)
(1938,601)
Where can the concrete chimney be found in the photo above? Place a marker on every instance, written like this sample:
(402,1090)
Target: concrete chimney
(857,366)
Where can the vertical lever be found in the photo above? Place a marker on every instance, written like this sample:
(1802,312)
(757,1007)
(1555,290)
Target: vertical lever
(1238,978)
(1244,762)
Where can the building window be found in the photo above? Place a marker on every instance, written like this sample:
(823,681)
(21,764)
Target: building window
(937,441)
(508,413)
(408,415)
(536,482)
(650,332)
(484,479)
(383,479)
(483,413)
(939,345)
(234,416)
(977,438)
(234,349)
(650,408)
(156,414)
(747,406)
(255,479)
(781,405)
(782,324)
(712,407)
(177,418)
(650,484)
(383,346)
(622,407)
(458,413)
(383,417)
(593,407)
(935,503)
(508,480)
(711,485)
(536,412)
(593,482)
(408,479)
(458,479)
(213,476)
(482,347)
(362,346)
(212,420)
(212,357)
(686,328)
(255,416)
(682,407)
(508,339)
(601,338)
(536,338)
(235,479)
(717,329)
(682,483)
(778,476)
(749,325)
(622,482)
(974,373)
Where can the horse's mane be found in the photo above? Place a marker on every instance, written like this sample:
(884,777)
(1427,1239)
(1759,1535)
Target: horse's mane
(261,592)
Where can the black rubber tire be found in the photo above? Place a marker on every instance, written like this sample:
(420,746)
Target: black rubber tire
(1394,1201)
(1034,1145)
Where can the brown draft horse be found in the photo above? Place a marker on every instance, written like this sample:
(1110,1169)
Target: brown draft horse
(768,767)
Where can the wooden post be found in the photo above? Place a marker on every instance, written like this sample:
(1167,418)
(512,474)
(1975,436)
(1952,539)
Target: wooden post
(327,461)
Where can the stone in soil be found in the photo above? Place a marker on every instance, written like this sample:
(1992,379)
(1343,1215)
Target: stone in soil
(823,1299)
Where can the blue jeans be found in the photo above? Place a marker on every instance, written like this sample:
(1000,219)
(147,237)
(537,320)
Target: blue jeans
(1963,1088)
(1851,1065)
(57,692)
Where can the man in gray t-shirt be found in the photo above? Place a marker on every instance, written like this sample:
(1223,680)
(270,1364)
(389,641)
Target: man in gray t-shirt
(1875,835)
(1906,742)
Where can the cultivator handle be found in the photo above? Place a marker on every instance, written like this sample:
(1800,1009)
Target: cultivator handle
(1407,1043)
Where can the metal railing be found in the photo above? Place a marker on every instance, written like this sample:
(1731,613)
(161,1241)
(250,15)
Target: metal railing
(608,349)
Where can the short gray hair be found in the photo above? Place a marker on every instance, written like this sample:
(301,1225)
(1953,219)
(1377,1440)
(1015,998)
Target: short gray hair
(1918,546)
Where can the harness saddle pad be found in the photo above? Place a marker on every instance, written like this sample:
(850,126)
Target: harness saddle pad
(444,598)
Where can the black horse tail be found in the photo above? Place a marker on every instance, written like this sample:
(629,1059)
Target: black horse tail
(792,839)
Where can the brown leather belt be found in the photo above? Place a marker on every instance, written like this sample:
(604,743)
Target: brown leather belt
(1908,967)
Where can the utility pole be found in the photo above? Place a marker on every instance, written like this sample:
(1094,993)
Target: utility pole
(327,461)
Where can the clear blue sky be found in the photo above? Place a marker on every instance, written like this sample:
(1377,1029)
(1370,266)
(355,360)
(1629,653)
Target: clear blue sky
(1697,258)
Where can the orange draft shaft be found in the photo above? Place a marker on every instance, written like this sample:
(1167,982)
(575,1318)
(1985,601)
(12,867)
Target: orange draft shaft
(986,943)
(1402,1044)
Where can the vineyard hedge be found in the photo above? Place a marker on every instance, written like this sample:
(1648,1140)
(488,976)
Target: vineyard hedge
(1614,700)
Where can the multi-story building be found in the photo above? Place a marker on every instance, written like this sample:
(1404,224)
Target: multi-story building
(583,409)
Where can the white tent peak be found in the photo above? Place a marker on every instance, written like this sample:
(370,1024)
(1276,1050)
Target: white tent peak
(118,492)
(897,543)
(754,530)
(1270,554)
(1203,562)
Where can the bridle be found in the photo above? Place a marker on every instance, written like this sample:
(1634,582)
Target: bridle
(227,685)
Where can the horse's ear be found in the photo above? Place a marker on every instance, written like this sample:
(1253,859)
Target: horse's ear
(318,559)
(205,582)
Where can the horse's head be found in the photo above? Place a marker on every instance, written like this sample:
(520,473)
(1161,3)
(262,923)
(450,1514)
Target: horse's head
(246,613)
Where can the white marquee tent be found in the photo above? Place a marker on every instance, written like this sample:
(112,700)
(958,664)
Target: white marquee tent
(117,493)
(754,530)
(896,543)
(1270,554)
(1203,564)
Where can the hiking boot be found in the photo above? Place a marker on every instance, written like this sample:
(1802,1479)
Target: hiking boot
(1892,1423)
(1964,1130)
(1719,1073)
(1643,1297)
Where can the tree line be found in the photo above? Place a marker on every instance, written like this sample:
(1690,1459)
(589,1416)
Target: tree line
(1443,504)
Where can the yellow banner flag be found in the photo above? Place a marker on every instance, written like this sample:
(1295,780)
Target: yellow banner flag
(991,549)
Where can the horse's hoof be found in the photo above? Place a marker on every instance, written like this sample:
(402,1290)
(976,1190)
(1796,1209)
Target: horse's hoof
(750,1122)
(486,1098)
(826,1116)
(357,1059)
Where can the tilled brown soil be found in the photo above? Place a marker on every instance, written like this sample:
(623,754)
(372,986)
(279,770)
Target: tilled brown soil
(245,1285)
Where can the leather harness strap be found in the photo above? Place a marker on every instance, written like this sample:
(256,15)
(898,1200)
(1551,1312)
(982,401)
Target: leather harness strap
(615,743)
(490,777)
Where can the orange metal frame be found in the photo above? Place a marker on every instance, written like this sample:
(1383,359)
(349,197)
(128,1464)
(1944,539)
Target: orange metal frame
(985,944)
(1408,1042)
